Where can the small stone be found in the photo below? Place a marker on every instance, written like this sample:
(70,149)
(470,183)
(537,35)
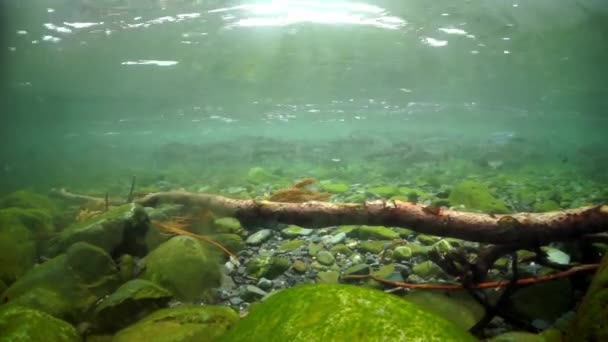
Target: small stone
(250,293)
(376,233)
(427,269)
(428,239)
(443,246)
(229,267)
(259,237)
(329,277)
(265,284)
(325,258)
(338,238)
(235,301)
(402,253)
(360,269)
(356,258)
(314,248)
(299,266)
(293,231)
(341,249)
(227,225)
(371,246)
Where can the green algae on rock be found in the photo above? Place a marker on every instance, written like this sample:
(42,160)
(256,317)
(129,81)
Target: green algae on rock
(19,323)
(181,324)
(375,233)
(68,285)
(133,300)
(477,196)
(29,200)
(184,267)
(22,233)
(330,312)
(118,231)
(267,266)
(590,323)
(457,307)
(227,225)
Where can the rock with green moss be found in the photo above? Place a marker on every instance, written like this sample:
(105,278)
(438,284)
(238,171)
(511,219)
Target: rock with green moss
(545,206)
(130,302)
(118,231)
(476,196)
(227,225)
(18,323)
(68,285)
(334,188)
(545,301)
(518,336)
(314,248)
(376,233)
(341,249)
(413,195)
(22,236)
(258,175)
(590,321)
(374,247)
(428,239)
(427,270)
(402,253)
(183,266)
(233,242)
(290,245)
(328,277)
(293,231)
(325,258)
(383,191)
(457,307)
(127,267)
(314,313)
(29,200)
(404,233)
(267,266)
(181,324)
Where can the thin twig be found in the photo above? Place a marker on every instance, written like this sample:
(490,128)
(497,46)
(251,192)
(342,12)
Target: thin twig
(485,285)
(130,197)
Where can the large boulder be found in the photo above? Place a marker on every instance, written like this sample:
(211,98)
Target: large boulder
(330,312)
(181,324)
(19,323)
(591,322)
(183,266)
(22,236)
(68,285)
(119,231)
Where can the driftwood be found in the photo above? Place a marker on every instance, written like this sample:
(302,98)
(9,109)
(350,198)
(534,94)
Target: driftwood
(522,229)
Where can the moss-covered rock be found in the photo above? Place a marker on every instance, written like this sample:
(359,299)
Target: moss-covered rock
(457,307)
(376,233)
(118,231)
(293,231)
(29,200)
(181,324)
(590,323)
(342,313)
(233,242)
(476,196)
(184,267)
(227,225)
(545,301)
(327,277)
(267,266)
(68,285)
(129,303)
(545,206)
(427,270)
(383,191)
(258,175)
(374,247)
(334,188)
(518,336)
(22,236)
(342,249)
(18,323)
(290,245)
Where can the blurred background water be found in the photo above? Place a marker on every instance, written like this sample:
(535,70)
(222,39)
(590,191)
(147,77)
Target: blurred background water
(201,91)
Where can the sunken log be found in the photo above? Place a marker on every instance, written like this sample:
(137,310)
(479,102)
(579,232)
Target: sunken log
(520,229)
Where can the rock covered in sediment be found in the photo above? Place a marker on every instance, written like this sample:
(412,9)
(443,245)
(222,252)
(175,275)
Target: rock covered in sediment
(19,323)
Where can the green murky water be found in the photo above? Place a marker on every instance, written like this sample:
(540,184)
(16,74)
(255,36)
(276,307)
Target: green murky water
(435,102)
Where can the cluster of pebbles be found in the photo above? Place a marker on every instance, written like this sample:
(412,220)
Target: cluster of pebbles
(278,259)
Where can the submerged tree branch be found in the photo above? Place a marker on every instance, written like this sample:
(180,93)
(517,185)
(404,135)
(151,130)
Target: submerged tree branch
(520,229)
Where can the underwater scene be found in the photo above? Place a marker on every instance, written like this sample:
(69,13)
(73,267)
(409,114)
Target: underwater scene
(303,170)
